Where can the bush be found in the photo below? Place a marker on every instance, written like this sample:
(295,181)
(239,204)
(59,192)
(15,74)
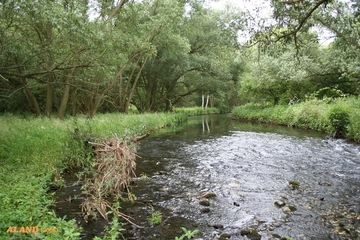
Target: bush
(339,119)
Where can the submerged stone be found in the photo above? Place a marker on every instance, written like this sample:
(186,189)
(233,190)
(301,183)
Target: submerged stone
(289,208)
(205,210)
(204,202)
(208,195)
(251,234)
(294,185)
(217,226)
(225,236)
(279,203)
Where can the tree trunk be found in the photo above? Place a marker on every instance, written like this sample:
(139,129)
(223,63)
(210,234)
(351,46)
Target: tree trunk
(207,101)
(122,92)
(49,88)
(33,103)
(65,97)
(134,85)
(49,100)
(202,101)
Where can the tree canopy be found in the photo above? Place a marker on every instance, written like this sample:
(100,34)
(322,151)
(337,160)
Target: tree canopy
(63,57)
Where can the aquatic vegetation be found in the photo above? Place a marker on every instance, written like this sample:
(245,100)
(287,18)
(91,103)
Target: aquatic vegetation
(113,231)
(156,218)
(187,234)
(294,184)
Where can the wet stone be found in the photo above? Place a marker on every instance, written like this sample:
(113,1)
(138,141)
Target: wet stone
(289,209)
(277,236)
(217,226)
(161,173)
(208,195)
(204,202)
(225,236)
(279,203)
(251,234)
(205,210)
(294,185)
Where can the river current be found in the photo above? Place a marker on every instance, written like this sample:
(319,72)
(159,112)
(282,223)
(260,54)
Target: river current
(266,182)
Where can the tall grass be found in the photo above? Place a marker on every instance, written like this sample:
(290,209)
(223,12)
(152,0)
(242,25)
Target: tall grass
(313,114)
(34,151)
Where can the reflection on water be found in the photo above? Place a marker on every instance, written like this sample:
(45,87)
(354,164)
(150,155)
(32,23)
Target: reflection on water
(248,166)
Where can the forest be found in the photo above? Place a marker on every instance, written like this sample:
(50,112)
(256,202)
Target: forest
(60,57)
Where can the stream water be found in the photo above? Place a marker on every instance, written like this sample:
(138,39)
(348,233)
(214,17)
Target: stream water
(247,168)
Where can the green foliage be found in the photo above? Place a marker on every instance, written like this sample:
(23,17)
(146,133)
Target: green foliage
(143,176)
(339,118)
(113,232)
(155,218)
(328,92)
(34,152)
(143,54)
(191,111)
(187,234)
(341,115)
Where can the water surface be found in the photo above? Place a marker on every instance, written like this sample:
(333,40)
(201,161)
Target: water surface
(248,167)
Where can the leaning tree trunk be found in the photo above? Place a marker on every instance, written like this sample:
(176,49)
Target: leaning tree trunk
(33,103)
(134,85)
(49,100)
(66,94)
(207,101)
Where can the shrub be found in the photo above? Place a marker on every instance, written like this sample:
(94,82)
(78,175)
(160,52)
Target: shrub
(339,119)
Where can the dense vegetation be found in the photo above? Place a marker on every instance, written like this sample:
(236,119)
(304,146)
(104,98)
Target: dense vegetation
(69,57)
(340,117)
(99,56)
(86,57)
(34,151)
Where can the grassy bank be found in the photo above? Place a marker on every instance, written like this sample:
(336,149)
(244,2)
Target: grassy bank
(192,111)
(34,151)
(339,116)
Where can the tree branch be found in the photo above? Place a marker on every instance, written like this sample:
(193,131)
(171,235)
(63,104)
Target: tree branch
(303,21)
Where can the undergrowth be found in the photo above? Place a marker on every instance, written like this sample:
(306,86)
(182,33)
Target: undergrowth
(191,111)
(339,117)
(35,150)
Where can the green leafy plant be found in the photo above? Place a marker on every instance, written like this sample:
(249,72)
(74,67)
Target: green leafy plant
(156,218)
(187,234)
(339,118)
(113,231)
(143,176)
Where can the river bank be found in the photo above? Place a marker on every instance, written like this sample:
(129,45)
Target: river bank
(35,151)
(338,117)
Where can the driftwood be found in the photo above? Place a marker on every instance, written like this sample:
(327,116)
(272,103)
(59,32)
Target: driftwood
(114,167)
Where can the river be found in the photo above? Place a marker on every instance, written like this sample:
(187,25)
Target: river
(247,168)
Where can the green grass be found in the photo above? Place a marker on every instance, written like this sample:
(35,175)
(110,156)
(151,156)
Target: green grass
(34,150)
(191,111)
(313,114)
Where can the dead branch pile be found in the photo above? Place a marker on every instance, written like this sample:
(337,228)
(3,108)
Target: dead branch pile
(113,170)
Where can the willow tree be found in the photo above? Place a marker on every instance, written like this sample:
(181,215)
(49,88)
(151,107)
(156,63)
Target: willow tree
(49,38)
(194,52)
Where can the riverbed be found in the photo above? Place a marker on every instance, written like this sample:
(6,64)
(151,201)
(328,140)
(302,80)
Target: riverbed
(234,180)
